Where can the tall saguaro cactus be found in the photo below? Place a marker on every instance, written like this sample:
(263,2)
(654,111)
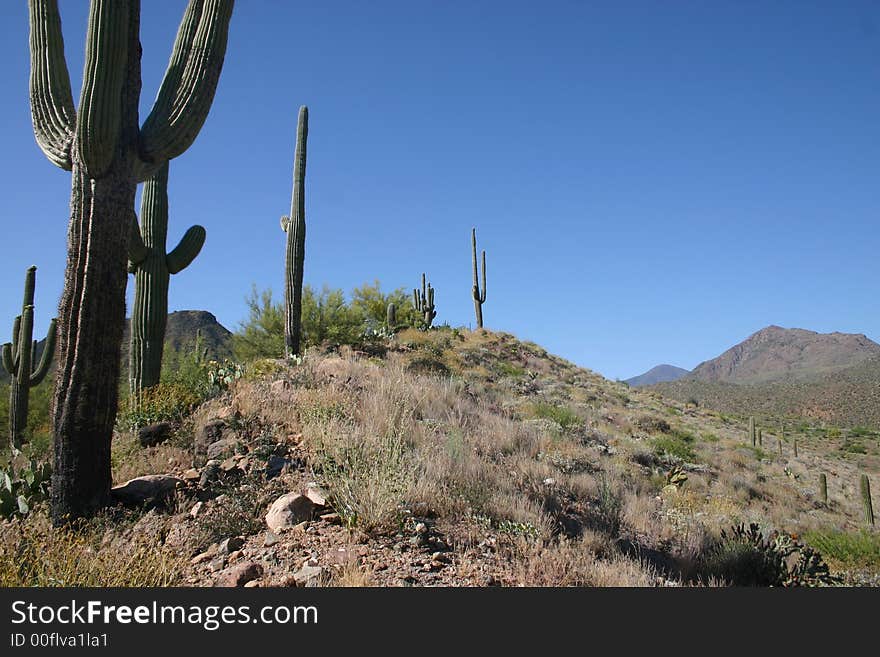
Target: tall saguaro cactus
(100,143)
(477,293)
(295,227)
(19,359)
(752,433)
(424,303)
(152,269)
(865,490)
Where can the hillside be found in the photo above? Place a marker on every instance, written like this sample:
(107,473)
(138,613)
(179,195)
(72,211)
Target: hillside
(847,398)
(658,374)
(779,354)
(461,458)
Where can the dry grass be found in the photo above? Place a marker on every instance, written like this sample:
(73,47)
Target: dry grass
(33,553)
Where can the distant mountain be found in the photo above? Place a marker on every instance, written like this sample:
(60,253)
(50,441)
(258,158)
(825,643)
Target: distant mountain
(180,334)
(779,354)
(659,374)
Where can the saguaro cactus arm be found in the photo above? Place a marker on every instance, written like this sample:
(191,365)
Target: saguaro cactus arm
(186,251)
(52,111)
(100,114)
(39,372)
(478,293)
(190,81)
(7,359)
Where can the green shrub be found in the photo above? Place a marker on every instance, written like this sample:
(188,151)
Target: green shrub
(562,415)
(677,445)
(165,402)
(851,549)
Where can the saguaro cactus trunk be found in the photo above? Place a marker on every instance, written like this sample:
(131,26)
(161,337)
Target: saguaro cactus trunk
(19,359)
(424,303)
(295,227)
(865,489)
(752,433)
(152,269)
(107,154)
(478,294)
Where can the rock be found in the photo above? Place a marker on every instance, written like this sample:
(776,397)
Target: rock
(149,488)
(229,545)
(308,576)
(196,509)
(191,475)
(212,432)
(229,464)
(154,434)
(331,518)
(270,539)
(289,510)
(252,584)
(317,495)
(210,473)
(240,574)
(222,449)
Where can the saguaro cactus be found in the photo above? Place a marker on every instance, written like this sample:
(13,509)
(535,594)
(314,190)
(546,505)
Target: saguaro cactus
(391,316)
(760,437)
(19,359)
(295,227)
(752,434)
(424,303)
(477,293)
(152,269)
(108,154)
(823,488)
(865,488)
(794,447)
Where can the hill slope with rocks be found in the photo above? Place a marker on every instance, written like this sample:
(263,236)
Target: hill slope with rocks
(460,458)
(779,354)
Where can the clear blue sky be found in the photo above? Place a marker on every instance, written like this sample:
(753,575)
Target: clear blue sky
(653,181)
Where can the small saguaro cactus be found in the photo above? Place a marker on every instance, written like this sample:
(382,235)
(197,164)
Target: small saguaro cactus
(760,437)
(865,487)
(478,293)
(391,316)
(294,225)
(152,269)
(794,446)
(424,303)
(19,359)
(752,434)
(779,446)
(823,488)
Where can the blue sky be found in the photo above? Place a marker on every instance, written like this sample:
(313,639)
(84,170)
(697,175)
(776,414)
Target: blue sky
(652,181)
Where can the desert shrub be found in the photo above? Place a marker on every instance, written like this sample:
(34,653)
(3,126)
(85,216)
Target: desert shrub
(22,490)
(33,553)
(675,446)
(851,549)
(165,402)
(562,415)
(39,425)
(653,424)
(744,557)
(609,506)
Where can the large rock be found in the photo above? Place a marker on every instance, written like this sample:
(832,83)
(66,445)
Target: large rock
(154,434)
(288,511)
(240,574)
(149,488)
(214,431)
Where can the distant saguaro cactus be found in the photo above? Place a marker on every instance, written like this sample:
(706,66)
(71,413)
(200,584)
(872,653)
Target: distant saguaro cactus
(391,316)
(19,358)
(108,153)
(477,293)
(152,269)
(295,227)
(794,446)
(424,303)
(865,488)
(760,437)
(752,434)
(823,488)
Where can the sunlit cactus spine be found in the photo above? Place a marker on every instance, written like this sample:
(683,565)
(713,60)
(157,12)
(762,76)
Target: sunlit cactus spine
(752,434)
(424,303)
(152,269)
(823,488)
(865,488)
(478,293)
(294,225)
(19,360)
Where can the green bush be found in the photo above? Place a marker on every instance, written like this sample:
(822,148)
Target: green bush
(562,415)
(677,445)
(851,549)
